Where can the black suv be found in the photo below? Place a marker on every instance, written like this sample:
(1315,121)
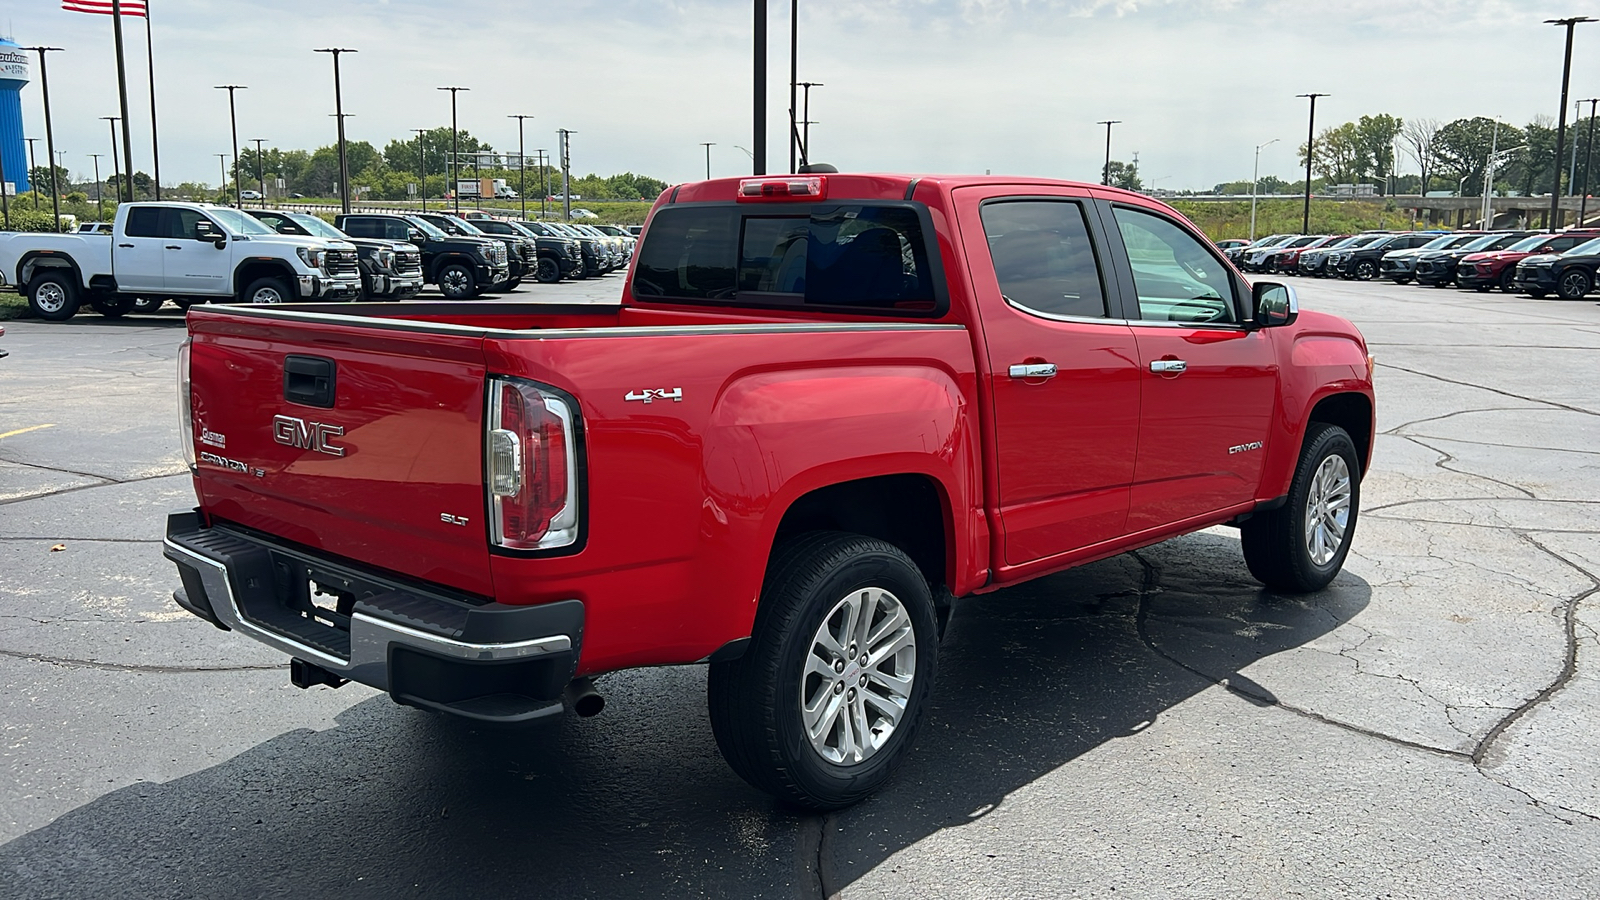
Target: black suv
(558,257)
(594,253)
(521,254)
(1438,267)
(390,270)
(1570,275)
(1362,262)
(1399,264)
(462,267)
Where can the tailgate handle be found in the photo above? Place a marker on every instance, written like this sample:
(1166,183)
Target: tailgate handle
(308,381)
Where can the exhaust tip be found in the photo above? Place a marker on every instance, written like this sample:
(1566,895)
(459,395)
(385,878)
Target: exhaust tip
(585,700)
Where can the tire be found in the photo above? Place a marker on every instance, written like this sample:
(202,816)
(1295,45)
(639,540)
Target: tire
(1365,269)
(548,271)
(147,304)
(113,307)
(1508,281)
(53,297)
(1401,280)
(1536,293)
(758,700)
(184,303)
(1281,550)
(1573,284)
(269,289)
(456,282)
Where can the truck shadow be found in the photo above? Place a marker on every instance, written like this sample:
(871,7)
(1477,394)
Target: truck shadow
(636,802)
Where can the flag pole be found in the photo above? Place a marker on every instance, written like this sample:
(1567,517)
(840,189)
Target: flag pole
(122,91)
(155,146)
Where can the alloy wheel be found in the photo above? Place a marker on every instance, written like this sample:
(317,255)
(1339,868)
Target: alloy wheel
(858,676)
(1327,509)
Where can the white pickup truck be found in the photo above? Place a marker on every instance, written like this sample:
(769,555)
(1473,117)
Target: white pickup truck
(186,252)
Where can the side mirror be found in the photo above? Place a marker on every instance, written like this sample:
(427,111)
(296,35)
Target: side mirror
(416,236)
(1273,305)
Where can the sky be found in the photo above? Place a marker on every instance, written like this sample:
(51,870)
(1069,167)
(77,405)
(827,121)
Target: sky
(956,86)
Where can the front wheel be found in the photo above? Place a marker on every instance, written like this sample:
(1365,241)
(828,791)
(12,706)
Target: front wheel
(1574,283)
(1536,293)
(548,272)
(1401,280)
(827,697)
(457,282)
(1508,282)
(267,290)
(1301,545)
(1366,269)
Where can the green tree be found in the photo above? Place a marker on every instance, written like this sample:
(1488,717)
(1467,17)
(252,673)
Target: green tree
(39,178)
(1124,175)
(1532,171)
(1340,157)
(1376,135)
(1462,150)
(143,185)
(402,155)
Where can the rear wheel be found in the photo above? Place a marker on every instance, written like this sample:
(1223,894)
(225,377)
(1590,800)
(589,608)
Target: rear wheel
(827,697)
(147,304)
(269,289)
(456,282)
(53,297)
(1573,284)
(112,306)
(1301,545)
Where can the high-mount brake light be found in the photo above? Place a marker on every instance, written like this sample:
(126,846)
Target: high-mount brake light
(531,462)
(784,187)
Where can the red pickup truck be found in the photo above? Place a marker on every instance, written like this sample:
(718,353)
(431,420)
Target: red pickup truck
(825,406)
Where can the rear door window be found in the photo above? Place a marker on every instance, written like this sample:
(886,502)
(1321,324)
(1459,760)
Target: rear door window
(143,221)
(1043,258)
(860,257)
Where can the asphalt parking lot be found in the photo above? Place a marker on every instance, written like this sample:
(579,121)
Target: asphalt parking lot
(1154,725)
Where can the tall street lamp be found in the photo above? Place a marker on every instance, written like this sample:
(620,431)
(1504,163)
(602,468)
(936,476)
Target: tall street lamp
(1105,174)
(33,166)
(758,159)
(544,179)
(99,200)
(1311,136)
(5,202)
(338,110)
(222,167)
(522,166)
(1255,179)
(49,133)
(116,167)
(806,123)
(566,173)
(261,171)
(422,167)
(1561,129)
(708,145)
(1588,156)
(455,146)
(794,77)
(233,118)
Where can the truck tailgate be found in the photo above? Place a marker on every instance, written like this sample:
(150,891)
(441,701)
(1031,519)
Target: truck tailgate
(360,440)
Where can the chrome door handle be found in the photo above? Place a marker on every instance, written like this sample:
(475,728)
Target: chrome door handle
(1169,366)
(1034,370)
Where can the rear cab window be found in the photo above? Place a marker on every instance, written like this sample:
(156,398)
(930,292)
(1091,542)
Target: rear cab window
(866,258)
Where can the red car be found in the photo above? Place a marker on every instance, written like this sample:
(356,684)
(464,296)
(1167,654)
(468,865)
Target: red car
(824,406)
(1482,271)
(1287,262)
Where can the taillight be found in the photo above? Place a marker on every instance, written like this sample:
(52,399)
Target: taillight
(185,404)
(783,187)
(531,450)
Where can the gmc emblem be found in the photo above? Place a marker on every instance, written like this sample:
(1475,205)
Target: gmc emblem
(306,435)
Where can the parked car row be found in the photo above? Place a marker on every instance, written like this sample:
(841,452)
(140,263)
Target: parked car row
(1529,262)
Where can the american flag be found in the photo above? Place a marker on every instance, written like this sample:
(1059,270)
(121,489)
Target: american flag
(103,7)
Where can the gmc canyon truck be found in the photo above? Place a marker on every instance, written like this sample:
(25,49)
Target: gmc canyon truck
(188,252)
(825,407)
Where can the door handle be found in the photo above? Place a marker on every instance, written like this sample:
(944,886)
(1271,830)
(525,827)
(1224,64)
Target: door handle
(1169,366)
(1034,370)
(174,247)
(130,246)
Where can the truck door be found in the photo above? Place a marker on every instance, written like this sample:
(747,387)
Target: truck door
(1208,384)
(138,257)
(1062,376)
(194,264)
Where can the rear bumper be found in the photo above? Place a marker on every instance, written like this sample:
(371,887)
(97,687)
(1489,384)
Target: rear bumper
(427,648)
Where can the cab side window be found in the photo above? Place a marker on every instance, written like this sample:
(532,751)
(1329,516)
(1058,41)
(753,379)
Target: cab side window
(357,226)
(1044,259)
(1176,277)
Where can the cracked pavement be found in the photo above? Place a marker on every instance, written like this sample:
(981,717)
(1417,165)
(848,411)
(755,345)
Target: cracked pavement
(1153,724)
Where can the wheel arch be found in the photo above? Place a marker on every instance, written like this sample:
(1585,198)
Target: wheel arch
(31,262)
(251,269)
(1351,411)
(909,510)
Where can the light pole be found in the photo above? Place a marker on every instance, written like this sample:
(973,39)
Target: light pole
(544,181)
(708,145)
(49,134)
(33,166)
(522,166)
(1588,156)
(233,118)
(805,123)
(338,110)
(222,167)
(794,76)
(455,146)
(261,171)
(1561,129)
(99,200)
(758,159)
(5,201)
(1255,179)
(1311,137)
(1105,174)
(422,168)
(116,167)
(566,173)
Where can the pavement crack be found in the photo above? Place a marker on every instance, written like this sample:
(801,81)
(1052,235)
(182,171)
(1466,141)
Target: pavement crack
(108,482)
(129,667)
(82,540)
(1395,431)
(1421,374)
(1450,458)
(1151,586)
